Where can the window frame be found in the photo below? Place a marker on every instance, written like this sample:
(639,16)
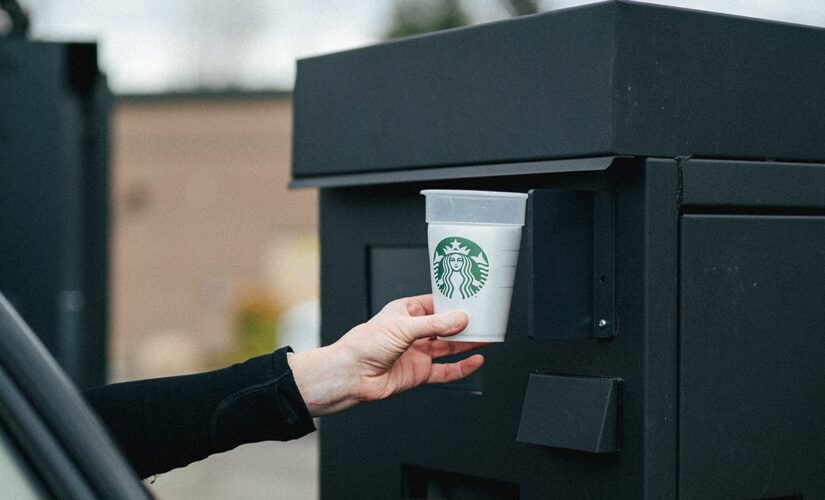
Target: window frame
(47,417)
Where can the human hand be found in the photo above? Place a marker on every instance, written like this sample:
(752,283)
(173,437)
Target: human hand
(391,353)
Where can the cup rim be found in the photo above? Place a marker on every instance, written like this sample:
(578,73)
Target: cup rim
(461,223)
(475,194)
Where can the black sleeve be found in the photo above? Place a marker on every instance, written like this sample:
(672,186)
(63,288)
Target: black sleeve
(164,423)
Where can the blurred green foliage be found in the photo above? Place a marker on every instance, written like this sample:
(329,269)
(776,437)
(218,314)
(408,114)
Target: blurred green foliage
(521,7)
(255,326)
(414,17)
(423,16)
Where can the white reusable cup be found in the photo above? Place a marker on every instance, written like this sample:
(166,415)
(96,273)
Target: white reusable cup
(474,239)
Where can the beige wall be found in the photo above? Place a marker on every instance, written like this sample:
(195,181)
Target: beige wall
(201,217)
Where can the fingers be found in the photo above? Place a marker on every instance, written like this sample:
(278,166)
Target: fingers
(420,327)
(441,373)
(440,348)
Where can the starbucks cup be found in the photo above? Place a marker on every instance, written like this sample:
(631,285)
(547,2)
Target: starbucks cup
(474,239)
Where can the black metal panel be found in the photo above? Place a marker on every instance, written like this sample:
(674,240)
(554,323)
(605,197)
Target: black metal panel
(715,184)
(696,83)
(33,94)
(751,354)
(660,252)
(54,198)
(614,78)
(578,413)
(535,88)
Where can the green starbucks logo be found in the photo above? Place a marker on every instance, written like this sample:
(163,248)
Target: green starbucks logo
(460,267)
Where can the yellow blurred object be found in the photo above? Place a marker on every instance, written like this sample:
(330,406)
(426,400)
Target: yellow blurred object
(255,325)
(167,353)
(292,267)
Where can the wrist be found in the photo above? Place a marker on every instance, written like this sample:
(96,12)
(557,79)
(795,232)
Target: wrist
(325,379)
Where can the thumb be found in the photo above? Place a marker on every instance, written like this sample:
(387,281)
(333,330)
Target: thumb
(420,327)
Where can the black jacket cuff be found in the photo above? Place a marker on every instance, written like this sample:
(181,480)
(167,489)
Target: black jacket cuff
(267,407)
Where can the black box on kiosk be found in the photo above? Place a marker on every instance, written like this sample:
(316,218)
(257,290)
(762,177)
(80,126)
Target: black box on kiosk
(665,337)
(54,198)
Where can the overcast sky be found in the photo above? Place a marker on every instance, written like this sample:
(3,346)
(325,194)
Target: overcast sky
(156,46)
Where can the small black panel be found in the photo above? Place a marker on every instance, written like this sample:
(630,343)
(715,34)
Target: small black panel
(578,413)
(397,272)
(570,246)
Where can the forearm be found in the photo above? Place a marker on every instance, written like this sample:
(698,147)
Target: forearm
(161,424)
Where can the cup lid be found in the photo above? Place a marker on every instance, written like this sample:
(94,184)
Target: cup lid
(469,192)
(459,206)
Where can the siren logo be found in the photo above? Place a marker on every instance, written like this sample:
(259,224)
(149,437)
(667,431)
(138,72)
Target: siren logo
(460,267)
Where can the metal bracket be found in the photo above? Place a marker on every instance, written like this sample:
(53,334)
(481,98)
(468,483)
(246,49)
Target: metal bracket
(604,241)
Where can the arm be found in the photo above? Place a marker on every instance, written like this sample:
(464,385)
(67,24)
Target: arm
(161,424)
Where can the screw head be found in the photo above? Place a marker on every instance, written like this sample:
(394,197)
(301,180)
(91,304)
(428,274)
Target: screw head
(602,323)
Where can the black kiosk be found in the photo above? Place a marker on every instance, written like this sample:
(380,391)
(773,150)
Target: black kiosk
(666,336)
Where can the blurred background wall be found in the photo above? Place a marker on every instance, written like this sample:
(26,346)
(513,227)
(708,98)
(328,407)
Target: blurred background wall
(214,260)
(205,230)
